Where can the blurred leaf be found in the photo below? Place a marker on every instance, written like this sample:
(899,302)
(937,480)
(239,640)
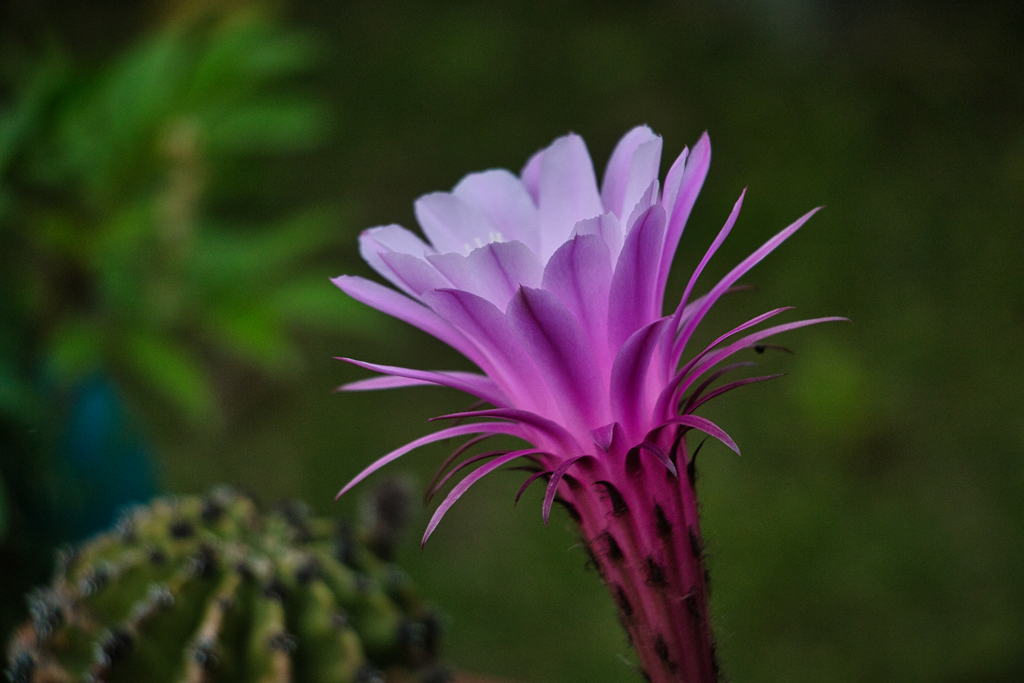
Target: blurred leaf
(263,127)
(319,305)
(255,335)
(172,372)
(75,349)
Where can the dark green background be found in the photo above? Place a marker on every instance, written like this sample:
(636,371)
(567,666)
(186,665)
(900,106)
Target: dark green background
(874,528)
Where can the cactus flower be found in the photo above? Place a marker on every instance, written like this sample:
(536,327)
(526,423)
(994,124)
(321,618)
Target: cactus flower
(554,288)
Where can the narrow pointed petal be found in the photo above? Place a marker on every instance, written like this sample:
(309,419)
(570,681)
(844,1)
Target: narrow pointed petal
(567,192)
(632,296)
(682,380)
(655,450)
(551,429)
(708,427)
(378,383)
(402,307)
(451,225)
(458,430)
(556,478)
(556,341)
(617,173)
(480,386)
(505,201)
(463,486)
(680,200)
(526,484)
(736,273)
(629,395)
(580,275)
(729,387)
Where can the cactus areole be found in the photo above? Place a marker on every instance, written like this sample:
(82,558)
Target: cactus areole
(211,589)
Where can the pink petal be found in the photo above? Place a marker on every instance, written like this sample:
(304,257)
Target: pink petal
(629,396)
(555,432)
(504,200)
(735,274)
(706,426)
(480,386)
(556,478)
(464,485)
(402,307)
(619,172)
(567,192)
(632,297)
(451,225)
(458,430)
(506,361)
(580,275)
(554,339)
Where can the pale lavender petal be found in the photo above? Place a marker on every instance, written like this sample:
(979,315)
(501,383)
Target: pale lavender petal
(530,175)
(451,224)
(617,173)
(464,485)
(402,307)
(493,272)
(672,181)
(480,386)
(556,478)
(642,174)
(568,192)
(629,395)
(554,339)
(680,202)
(646,201)
(580,275)
(412,274)
(632,296)
(503,199)
(707,426)
(390,238)
(608,228)
(502,268)
(458,430)
(508,364)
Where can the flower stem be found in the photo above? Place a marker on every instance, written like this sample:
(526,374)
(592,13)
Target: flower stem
(644,536)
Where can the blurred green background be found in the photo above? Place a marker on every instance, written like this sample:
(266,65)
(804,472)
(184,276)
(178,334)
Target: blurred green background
(180,179)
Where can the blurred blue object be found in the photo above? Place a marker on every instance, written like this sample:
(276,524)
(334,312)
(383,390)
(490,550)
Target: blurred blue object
(102,460)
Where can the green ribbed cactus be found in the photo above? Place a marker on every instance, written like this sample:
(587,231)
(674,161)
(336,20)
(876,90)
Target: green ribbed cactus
(211,589)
